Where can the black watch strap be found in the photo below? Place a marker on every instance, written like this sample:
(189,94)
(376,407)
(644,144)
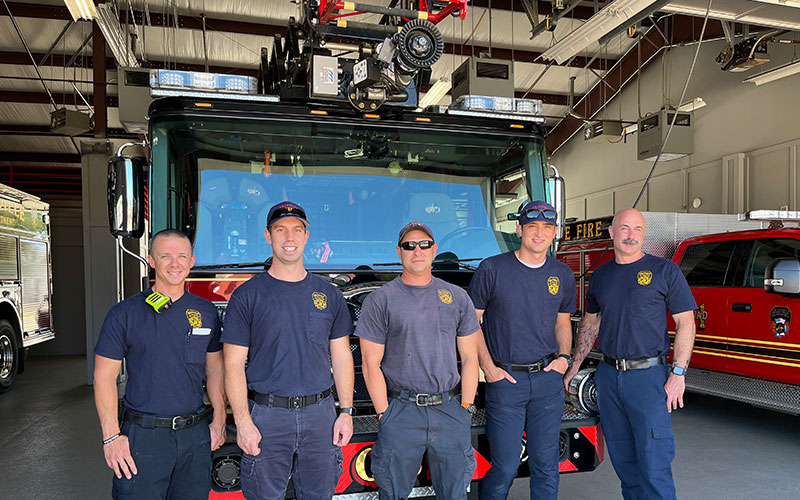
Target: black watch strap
(568,358)
(349,410)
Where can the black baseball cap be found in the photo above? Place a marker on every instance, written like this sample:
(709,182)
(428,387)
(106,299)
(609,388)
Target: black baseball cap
(411,226)
(286,209)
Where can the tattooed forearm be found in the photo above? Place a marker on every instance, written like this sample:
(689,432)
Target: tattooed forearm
(587,334)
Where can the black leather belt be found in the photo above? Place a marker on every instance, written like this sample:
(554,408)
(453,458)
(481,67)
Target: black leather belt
(175,423)
(423,399)
(534,367)
(290,403)
(624,365)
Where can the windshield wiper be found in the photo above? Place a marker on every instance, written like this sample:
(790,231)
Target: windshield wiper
(235,265)
(460,262)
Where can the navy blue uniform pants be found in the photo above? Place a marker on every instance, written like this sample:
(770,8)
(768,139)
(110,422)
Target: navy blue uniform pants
(406,431)
(172,465)
(534,404)
(296,444)
(638,430)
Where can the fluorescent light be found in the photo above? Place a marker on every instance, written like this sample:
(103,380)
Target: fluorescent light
(692,105)
(786,3)
(434,94)
(611,16)
(789,69)
(81,9)
(751,17)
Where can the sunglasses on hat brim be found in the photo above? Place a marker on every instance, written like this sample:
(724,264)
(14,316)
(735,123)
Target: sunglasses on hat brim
(547,213)
(287,212)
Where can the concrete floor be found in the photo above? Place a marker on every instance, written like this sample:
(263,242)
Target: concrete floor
(50,446)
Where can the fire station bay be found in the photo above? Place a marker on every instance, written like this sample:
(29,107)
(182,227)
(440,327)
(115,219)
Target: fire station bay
(392,249)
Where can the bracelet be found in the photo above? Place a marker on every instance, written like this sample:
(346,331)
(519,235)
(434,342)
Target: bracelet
(115,436)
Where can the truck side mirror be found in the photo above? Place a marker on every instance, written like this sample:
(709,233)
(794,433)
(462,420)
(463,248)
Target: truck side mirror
(783,276)
(557,196)
(126,196)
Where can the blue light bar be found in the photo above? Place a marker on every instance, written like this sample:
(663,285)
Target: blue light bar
(494,114)
(170,79)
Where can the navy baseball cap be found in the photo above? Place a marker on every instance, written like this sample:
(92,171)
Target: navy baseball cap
(286,209)
(411,226)
(537,210)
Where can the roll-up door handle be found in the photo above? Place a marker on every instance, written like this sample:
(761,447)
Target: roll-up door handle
(741,307)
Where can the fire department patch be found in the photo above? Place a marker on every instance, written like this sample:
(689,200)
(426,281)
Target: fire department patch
(194,317)
(552,284)
(780,318)
(445,296)
(644,277)
(320,300)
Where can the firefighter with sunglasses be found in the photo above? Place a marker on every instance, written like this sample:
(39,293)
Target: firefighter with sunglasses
(524,299)
(412,330)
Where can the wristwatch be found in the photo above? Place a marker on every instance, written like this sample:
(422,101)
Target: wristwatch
(568,358)
(348,410)
(678,370)
(471,408)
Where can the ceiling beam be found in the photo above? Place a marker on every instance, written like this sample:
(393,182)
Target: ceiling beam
(44,131)
(25,97)
(261,29)
(684,29)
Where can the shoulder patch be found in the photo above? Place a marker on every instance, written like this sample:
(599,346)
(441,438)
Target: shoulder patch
(194,317)
(320,300)
(644,277)
(445,296)
(552,284)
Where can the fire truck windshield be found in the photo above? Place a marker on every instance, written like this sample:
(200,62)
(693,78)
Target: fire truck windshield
(359,184)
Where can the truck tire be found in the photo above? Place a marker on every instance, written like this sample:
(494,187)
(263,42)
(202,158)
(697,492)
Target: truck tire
(9,355)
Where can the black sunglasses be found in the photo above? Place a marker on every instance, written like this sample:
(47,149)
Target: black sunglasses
(411,245)
(548,214)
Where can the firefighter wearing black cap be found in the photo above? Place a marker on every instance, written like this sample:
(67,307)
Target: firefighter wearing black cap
(411,331)
(286,323)
(525,298)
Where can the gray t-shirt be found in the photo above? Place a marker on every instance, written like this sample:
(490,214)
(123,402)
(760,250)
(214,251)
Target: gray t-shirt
(418,326)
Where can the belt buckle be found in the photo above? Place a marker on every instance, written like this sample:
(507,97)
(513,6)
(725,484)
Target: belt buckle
(296,402)
(534,368)
(621,365)
(417,401)
(175,422)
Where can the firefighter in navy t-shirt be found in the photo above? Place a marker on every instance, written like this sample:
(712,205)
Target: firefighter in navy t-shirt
(163,447)
(626,312)
(410,330)
(525,298)
(286,323)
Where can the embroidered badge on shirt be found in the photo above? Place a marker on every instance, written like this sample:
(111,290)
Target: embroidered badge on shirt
(644,277)
(445,296)
(552,284)
(320,300)
(194,317)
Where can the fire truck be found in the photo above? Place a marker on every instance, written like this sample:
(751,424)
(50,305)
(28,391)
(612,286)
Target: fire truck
(334,123)
(744,273)
(26,317)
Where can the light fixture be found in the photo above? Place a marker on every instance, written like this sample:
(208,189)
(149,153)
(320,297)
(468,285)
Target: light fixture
(785,3)
(789,69)
(614,14)
(434,94)
(687,107)
(752,16)
(115,39)
(81,9)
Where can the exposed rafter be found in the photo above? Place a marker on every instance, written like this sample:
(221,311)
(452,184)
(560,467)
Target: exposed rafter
(248,28)
(684,29)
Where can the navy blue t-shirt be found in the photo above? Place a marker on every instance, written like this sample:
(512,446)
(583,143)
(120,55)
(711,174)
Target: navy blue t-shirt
(165,353)
(521,305)
(287,327)
(633,300)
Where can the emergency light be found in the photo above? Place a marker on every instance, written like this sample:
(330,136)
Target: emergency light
(509,108)
(784,215)
(170,82)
